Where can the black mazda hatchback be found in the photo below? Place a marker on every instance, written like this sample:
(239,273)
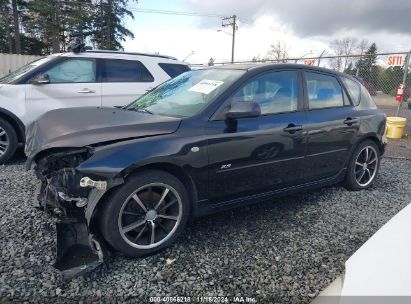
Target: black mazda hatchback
(129,179)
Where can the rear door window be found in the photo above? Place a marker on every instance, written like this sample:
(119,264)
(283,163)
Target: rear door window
(173,69)
(324,91)
(118,70)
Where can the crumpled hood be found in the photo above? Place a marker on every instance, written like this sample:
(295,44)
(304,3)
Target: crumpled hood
(79,127)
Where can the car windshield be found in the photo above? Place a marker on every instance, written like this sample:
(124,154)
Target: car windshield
(9,78)
(187,94)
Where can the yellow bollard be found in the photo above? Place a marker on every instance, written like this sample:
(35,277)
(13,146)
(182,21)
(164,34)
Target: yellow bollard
(395,127)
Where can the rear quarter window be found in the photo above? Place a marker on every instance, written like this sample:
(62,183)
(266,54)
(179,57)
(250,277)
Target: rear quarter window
(173,69)
(366,101)
(353,88)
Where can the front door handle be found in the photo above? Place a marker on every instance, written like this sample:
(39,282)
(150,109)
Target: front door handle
(86,91)
(349,121)
(292,128)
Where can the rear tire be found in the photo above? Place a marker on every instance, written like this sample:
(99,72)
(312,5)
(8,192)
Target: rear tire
(8,141)
(363,166)
(146,214)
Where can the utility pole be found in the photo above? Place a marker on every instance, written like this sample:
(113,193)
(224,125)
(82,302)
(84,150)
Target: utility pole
(231,21)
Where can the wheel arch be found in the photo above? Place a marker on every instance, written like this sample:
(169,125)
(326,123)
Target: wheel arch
(373,137)
(172,169)
(16,123)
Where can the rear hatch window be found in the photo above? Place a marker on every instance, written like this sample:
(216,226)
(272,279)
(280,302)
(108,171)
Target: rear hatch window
(173,69)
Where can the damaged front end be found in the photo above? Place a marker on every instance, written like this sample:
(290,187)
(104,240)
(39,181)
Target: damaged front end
(70,197)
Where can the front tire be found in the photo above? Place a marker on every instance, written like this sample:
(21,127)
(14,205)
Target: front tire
(363,166)
(8,141)
(146,214)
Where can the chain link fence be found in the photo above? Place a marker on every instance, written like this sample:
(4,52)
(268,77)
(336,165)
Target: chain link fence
(380,73)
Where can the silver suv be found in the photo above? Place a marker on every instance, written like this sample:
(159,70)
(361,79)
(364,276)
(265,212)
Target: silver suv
(91,78)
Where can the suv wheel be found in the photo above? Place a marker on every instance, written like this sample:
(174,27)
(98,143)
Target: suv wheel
(146,214)
(363,167)
(8,141)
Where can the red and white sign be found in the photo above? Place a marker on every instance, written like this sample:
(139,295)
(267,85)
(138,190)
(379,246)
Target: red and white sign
(309,61)
(395,60)
(400,92)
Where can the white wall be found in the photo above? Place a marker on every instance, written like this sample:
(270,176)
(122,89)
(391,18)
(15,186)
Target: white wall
(11,62)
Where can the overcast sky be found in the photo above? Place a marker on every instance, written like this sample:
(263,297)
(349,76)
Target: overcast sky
(304,25)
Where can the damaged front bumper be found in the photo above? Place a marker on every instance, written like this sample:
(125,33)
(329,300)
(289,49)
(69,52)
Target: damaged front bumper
(65,195)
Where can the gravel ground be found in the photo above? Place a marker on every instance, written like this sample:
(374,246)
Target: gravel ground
(284,251)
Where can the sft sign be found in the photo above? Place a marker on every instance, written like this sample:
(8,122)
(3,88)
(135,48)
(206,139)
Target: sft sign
(309,61)
(395,60)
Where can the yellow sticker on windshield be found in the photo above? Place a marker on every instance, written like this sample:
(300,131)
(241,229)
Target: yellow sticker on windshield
(206,86)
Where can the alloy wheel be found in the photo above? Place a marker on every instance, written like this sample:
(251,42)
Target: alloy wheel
(150,216)
(4,141)
(366,166)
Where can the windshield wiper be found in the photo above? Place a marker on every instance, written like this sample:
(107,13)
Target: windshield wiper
(141,110)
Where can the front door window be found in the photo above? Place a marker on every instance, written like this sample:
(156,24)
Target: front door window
(275,92)
(73,71)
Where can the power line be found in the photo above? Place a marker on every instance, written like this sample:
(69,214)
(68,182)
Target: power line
(150,10)
(177,13)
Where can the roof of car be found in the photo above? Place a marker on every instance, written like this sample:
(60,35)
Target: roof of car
(131,53)
(266,66)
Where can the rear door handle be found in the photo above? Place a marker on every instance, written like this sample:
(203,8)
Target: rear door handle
(349,121)
(292,128)
(86,91)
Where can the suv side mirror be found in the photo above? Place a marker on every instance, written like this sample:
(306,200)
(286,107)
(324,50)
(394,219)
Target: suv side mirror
(243,110)
(41,79)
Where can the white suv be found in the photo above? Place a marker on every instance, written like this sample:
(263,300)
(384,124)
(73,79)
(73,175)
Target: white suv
(91,78)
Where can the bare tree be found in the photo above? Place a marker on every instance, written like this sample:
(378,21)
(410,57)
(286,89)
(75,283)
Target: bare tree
(362,46)
(349,46)
(343,48)
(338,48)
(278,51)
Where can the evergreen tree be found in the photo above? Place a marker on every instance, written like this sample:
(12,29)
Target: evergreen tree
(81,15)
(48,25)
(6,40)
(109,31)
(350,69)
(367,68)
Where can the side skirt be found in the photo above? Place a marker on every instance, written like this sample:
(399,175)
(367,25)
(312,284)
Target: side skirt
(205,207)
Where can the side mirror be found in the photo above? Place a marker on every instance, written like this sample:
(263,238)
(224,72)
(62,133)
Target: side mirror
(243,110)
(41,79)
